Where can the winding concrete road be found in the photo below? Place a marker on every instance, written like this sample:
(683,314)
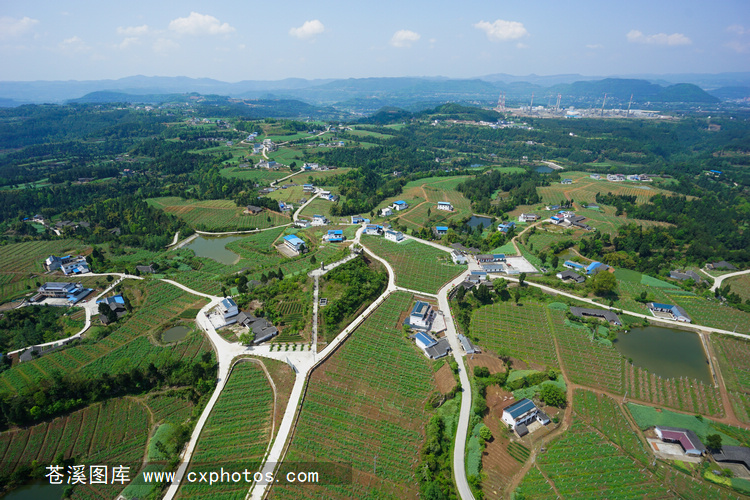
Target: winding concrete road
(719,279)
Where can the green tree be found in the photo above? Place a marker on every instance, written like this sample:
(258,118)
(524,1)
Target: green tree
(485,433)
(713,443)
(516,296)
(603,283)
(553,395)
(247,338)
(555,261)
(521,279)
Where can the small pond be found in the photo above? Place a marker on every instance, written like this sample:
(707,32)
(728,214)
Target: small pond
(477,221)
(215,248)
(666,352)
(38,490)
(543,169)
(175,334)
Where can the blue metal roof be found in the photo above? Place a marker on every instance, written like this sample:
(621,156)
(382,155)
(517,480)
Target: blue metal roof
(573,264)
(517,409)
(425,339)
(419,307)
(662,306)
(335,231)
(399,202)
(441,228)
(593,266)
(294,240)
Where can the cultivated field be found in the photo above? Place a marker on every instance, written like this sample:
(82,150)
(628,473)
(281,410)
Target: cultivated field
(740,285)
(128,344)
(366,406)
(433,190)
(259,175)
(19,260)
(524,331)
(584,189)
(582,464)
(603,413)
(417,266)
(113,432)
(236,433)
(217,215)
(734,360)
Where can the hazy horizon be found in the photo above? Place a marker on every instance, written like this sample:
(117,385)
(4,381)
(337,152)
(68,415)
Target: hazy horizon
(233,42)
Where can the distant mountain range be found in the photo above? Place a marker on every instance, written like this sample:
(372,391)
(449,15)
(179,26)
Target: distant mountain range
(364,95)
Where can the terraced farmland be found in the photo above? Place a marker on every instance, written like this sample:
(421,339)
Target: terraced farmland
(162,302)
(217,215)
(524,331)
(18,260)
(366,406)
(236,433)
(417,266)
(113,432)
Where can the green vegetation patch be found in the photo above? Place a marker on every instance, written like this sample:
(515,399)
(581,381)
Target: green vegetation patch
(558,306)
(628,275)
(651,281)
(648,416)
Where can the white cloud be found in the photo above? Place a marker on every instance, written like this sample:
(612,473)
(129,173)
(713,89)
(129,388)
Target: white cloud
(73,44)
(132,30)
(502,30)
(308,30)
(404,38)
(738,30)
(127,42)
(521,45)
(164,45)
(594,46)
(635,36)
(199,24)
(11,27)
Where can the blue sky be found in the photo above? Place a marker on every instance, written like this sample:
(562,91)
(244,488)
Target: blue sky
(249,40)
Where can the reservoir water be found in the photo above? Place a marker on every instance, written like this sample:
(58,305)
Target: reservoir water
(175,333)
(38,490)
(666,352)
(215,248)
(476,221)
(544,169)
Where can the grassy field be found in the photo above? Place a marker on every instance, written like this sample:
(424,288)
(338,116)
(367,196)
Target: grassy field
(523,331)
(236,433)
(355,414)
(112,432)
(647,416)
(417,266)
(582,464)
(217,215)
(128,343)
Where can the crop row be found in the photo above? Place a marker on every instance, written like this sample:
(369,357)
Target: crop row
(581,464)
(237,431)
(365,406)
(603,413)
(417,266)
(524,331)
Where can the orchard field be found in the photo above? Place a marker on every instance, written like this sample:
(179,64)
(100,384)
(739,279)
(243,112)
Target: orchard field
(366,406)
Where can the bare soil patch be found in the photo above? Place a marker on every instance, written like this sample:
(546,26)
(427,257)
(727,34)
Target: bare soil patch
(490,361)
(497,463)
(444,379)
